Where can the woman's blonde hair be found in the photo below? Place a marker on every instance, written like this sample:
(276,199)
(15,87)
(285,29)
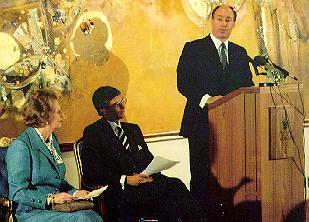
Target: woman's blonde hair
(38,107)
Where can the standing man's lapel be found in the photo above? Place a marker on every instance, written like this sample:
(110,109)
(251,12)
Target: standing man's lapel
(212,52)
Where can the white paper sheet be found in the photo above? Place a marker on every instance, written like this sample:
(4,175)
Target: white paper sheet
(94,193)
(158,164)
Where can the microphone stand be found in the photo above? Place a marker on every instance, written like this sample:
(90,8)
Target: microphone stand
(257,73)
(285,72)
(273,71)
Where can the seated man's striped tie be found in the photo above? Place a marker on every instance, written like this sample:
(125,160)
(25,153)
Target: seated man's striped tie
(123,138)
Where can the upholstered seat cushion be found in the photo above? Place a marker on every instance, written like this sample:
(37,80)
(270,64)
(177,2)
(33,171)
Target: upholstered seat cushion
(4,187)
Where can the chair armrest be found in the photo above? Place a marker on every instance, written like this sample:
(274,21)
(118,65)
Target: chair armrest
(8,209)
(5,142)
(6,203)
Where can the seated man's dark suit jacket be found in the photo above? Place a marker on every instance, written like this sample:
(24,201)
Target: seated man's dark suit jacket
(105,160)
(200,72)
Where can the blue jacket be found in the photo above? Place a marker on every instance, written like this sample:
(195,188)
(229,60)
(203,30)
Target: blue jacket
(33,173)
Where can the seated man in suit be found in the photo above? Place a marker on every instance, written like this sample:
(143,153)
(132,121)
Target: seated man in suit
(115,154)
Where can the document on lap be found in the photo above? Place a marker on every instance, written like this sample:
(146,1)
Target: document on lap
(159,164)
(94,193)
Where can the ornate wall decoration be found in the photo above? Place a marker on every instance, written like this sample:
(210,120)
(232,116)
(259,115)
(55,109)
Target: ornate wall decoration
(199,11)
(33,41)
(281,25)
(92,43)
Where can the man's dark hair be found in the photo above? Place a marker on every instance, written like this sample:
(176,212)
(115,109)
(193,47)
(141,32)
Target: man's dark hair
(219,6)
(102,96)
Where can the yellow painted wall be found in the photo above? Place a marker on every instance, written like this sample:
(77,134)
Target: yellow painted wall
(146,48)
(148,37)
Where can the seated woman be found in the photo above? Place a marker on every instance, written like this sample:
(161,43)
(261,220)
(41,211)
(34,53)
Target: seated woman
(35,168)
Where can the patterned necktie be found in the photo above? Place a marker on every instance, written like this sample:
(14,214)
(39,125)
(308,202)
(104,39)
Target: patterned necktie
(54,153)
(223,57)
(123,138)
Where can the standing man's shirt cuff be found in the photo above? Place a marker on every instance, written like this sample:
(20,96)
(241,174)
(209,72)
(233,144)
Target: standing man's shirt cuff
(122,181)
(204,100)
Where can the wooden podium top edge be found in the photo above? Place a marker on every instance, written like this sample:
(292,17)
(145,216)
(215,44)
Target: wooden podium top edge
(254,90)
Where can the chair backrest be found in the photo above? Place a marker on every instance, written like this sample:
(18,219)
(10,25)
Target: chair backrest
(78,146)
(4,186)
(99,202)
(6,205)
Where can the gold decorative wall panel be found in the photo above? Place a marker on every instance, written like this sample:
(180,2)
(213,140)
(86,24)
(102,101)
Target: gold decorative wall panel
(134,46)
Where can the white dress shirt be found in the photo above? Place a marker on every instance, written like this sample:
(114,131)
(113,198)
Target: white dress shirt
(217,43)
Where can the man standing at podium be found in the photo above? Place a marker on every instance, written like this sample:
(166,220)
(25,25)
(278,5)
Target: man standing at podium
(208,67)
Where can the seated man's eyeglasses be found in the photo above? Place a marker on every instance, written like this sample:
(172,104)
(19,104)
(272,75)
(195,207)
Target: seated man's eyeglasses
(119,104)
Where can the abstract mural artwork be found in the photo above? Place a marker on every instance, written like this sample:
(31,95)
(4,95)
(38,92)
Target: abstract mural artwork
(64,44)
(33,50)
(199,11)
(37,39)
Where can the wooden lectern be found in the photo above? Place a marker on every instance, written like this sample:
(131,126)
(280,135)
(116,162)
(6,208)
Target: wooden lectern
(257,133)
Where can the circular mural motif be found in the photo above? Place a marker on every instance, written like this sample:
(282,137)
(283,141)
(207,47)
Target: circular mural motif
(92,37)
(9,51)
(32,50)
(199,11)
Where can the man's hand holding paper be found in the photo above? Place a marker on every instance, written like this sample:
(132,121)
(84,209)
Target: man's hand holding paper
(137,179)
(159,164)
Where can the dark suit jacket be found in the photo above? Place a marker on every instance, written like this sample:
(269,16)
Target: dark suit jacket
(200,72)
(105,160)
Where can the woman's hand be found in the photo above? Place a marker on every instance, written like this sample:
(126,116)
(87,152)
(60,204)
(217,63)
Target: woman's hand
(137,179)
(62,198)
(81,193)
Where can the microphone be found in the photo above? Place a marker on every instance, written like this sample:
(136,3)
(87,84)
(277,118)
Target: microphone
(275,70)
(264,61)
(271,71)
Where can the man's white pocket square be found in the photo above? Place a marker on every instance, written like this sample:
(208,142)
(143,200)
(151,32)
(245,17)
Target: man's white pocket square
(139,147)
